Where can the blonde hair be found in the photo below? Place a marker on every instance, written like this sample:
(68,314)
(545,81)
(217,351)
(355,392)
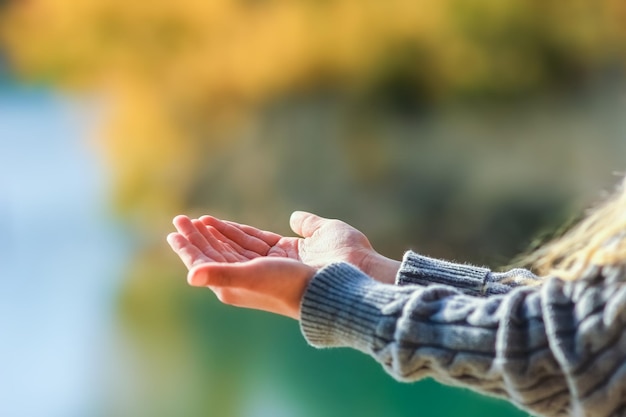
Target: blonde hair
(598,239)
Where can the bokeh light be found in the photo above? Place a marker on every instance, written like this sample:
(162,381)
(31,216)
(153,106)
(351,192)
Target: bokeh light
(460,129)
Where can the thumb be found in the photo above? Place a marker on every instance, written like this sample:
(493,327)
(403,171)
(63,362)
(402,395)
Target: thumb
(305,224)
(233,275)
(217,274)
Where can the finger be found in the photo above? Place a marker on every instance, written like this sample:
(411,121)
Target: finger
(232,238)
(305,224)
(248,275)
(212,238)
(274,285)
(219,275)
(185,227)
(245,236)
(242,254)
(188,253)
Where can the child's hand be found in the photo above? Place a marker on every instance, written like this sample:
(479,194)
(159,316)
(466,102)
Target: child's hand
(238,270)
(196,243)
(270,284)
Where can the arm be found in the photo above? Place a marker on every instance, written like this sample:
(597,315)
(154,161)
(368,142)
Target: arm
(324,241)
(556,350)
(472,280)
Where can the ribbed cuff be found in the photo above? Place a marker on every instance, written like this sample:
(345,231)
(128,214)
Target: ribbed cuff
(342,307)
(422,270)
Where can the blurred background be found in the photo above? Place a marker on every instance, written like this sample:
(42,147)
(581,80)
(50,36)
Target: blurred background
(463,129)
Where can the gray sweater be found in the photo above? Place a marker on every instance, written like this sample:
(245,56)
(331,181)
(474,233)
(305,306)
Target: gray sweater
(555,349)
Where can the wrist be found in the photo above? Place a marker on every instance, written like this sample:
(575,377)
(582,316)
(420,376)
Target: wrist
(381,268)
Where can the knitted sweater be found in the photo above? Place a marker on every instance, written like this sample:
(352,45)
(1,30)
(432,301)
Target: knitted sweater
(555,349)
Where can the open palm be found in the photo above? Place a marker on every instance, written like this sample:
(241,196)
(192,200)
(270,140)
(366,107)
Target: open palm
(323,241)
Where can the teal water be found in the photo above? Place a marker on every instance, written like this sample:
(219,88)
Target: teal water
(60,256)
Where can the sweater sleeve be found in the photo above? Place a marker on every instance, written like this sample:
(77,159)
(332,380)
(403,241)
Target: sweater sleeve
(473,280)
(558,349)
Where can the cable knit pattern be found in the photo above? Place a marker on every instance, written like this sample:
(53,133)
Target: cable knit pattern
(556,349)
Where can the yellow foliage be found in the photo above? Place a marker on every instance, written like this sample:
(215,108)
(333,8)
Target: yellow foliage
(241,48)
(175,69)
(250,50)
(151,164)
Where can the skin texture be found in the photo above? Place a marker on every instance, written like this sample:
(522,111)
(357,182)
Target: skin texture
(248,267)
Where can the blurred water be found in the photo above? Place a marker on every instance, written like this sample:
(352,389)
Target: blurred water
(60,257)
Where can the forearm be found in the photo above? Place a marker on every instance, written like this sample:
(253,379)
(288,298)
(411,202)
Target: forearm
(546,348)
(416,332)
